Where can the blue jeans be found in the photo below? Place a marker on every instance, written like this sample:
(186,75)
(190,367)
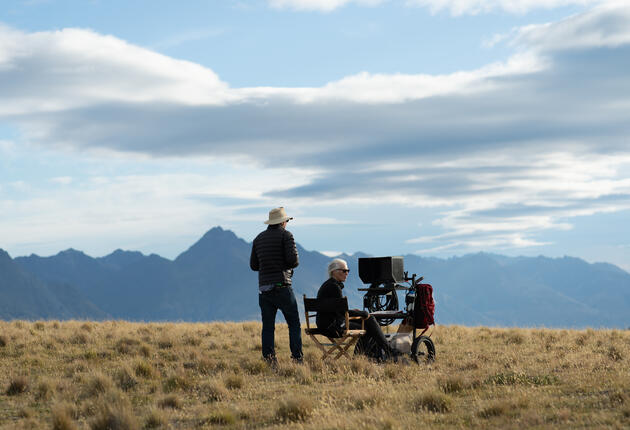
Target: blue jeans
(270,302)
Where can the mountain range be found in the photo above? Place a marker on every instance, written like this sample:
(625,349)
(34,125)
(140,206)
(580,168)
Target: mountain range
(212,281)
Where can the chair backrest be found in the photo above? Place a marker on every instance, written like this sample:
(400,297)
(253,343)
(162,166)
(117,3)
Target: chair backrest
(326,305)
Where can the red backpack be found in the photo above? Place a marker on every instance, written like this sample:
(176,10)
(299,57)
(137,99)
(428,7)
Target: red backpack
(424,306)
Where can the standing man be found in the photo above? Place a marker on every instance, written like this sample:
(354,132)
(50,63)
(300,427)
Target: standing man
(274,256)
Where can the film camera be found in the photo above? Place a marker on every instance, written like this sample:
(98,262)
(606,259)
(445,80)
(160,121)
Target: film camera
(386,278)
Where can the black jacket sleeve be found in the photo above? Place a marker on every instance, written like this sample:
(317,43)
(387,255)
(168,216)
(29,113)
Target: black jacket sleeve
(290,251)
(254,264)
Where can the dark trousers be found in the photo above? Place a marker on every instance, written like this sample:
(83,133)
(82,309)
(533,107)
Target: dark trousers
(270,302)
(372,330)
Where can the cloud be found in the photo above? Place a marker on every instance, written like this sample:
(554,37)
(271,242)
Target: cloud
(75,68)
(504,152)
(62,180)
(455,7)
(603,27)
(474,7)
(98,214)
(188,36)
(319,5)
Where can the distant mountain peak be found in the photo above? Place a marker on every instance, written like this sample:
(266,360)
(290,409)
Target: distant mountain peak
(216,241)
(4,256)
(120,252)
(71,252)
(217,232)
(121,258)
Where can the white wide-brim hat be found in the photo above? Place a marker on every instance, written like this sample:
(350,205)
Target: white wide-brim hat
(277,216)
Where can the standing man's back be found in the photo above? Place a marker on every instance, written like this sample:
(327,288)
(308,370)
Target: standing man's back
(274,255)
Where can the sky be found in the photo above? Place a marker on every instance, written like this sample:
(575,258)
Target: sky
(429,127)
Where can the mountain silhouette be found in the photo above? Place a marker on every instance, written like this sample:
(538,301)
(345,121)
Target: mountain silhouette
(212,280)
(24,296)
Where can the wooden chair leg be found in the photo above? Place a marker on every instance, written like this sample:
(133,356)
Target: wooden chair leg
(339,344)
(346,347)
(318,344)
(334,347)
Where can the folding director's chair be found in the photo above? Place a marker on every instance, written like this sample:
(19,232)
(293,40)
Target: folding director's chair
(341,344)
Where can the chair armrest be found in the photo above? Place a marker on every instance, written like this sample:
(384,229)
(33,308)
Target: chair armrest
(358,318)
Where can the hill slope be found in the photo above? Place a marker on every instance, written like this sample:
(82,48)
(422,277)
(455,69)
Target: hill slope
(23,296)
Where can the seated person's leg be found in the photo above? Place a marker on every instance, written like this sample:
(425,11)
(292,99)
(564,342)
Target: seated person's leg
(373,330)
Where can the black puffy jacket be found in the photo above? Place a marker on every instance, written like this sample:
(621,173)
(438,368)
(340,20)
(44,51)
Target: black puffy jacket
(329,322)
(274,256)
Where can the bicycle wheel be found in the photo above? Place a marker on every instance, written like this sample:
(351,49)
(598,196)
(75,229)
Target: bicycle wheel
(423,350)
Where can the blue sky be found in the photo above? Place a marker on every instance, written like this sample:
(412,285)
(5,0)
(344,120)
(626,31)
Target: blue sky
(437,127)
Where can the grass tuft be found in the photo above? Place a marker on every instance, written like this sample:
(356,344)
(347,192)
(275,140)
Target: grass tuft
(205,366)
(364,402)
(62,417)
(176,382)
(294,409)
(513,378)
(313,361)
(44,390)
(618,398)
(155,419)
(78,339)
(125,380)
(214,391)
(114,413)
(165,343)
(17,386)
(254,367)
(222,417)
(96,385)
(452,384)
(143,369)
(495,410)
(614,353)
(432,402)
(170,401)
(234,381)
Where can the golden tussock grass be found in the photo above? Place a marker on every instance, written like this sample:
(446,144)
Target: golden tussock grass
(121,375)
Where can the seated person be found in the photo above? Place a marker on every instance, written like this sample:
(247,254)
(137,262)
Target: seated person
(332,324)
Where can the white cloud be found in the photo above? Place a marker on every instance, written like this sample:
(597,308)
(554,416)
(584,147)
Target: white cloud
(20,186)
(319,5)
(188,36)
(62,180)
(455,7)
(550,190)
(73,68)
(474,7)
(604,26)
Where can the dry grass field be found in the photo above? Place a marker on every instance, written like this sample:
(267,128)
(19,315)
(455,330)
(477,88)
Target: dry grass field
(121,375)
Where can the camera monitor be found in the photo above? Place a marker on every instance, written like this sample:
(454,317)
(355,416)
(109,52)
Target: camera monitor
(381,270)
